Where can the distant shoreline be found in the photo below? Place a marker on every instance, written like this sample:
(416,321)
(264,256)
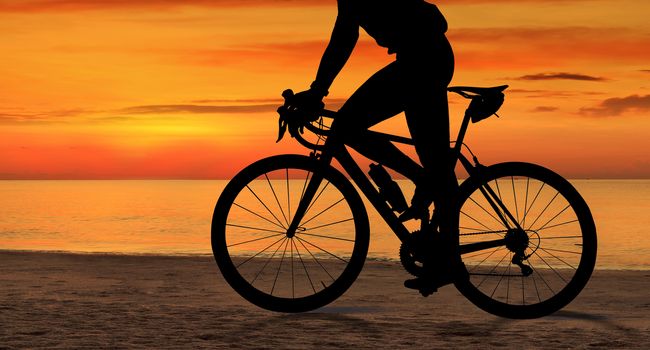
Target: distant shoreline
(210,257)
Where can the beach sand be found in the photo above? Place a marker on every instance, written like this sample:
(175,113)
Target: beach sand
(55,300)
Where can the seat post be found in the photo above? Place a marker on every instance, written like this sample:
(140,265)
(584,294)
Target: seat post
(461,136)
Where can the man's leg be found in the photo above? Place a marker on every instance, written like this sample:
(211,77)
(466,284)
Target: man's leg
(426,75)
(378,99)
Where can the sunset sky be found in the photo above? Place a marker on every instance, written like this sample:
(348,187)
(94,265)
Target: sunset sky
(113,89)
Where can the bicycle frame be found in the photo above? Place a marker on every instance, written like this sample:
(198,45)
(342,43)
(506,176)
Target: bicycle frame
(335,149)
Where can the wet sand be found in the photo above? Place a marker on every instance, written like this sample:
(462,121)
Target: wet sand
(54,300)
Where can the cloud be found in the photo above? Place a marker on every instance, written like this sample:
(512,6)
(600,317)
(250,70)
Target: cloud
(645,70)
(535,93)
(547,48)
(89,5)
(619,105)
(85,5)
(199,109)
(544,109)
(218,109)
(247,100)
(56,116)
(560,76)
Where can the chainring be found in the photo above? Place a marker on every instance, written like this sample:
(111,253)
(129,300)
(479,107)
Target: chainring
(411,263)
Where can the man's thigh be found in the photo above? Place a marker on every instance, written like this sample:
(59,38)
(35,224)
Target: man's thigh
(378,99)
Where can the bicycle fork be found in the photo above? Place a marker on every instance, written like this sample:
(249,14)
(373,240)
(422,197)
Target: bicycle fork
(310,191)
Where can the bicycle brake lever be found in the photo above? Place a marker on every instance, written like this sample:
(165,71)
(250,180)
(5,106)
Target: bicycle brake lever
(282,124)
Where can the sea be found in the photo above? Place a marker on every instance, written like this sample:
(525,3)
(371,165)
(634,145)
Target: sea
(173,217)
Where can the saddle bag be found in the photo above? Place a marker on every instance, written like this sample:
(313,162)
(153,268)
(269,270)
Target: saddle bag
(483,106)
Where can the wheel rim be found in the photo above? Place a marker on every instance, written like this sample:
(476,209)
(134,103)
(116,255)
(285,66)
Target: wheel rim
(550,244)
(271,266)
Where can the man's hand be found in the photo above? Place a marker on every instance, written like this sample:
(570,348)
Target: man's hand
(308,102)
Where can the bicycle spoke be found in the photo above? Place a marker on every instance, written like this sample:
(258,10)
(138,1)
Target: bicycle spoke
(470,229)
(293,286)
(533,202)
(480,232)
(550,267)
(540,277)
(258,215)
(563,251)
(553,255)
(487,257)
(266,263)
(553,218)
(330,224)
(483,253)
(561,237)
(279,267)
(304,266)
(543,211)
(315,199)
(288,196)
(304,186)
(494,268)
(276,199)
(324,210)
(507,271)
(485,210)
(254,240)
(496,181)
(336,238)
(319,248)
(523,220)
(316,260)
(476,221)
(267,208)
(514,195)
(261,251)
(523,290)
(556,225)
(255,228)
(535,283)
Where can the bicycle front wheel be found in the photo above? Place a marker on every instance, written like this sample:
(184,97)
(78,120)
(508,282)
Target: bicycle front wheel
(541,266)
(281,272)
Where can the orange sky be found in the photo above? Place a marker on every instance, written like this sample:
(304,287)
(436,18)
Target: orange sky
(155,89)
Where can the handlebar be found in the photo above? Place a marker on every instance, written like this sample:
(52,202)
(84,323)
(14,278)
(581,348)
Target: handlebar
(295,121)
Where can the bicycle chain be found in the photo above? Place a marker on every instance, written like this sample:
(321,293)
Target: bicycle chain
(483,233)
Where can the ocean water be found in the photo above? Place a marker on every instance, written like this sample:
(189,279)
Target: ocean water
(174,216)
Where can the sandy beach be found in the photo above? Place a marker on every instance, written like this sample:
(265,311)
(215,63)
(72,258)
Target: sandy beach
(56,300)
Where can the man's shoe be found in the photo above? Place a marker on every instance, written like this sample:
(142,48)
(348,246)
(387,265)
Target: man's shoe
(430,284)
(414,212)
(420,203)
(426,286)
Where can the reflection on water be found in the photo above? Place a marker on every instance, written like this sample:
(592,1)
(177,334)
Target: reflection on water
(173,217)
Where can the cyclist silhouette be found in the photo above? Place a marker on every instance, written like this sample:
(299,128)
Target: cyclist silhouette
(415,83)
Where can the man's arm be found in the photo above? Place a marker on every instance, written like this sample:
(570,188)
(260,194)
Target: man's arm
(344,38)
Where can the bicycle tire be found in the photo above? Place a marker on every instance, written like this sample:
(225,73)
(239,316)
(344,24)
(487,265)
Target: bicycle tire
(348,238)
(561,241)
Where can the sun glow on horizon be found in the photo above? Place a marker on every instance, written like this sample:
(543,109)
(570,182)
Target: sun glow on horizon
(104,89)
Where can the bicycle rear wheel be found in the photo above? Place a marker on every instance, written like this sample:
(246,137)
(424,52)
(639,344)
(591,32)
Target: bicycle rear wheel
(285,273)
(539,268)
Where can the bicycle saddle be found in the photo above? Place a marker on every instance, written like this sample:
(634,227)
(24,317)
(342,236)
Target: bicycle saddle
(485,101)
(464,90)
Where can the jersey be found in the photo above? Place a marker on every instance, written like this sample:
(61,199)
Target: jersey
(393,23)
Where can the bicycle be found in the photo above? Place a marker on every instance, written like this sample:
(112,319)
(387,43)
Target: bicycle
(290,233)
